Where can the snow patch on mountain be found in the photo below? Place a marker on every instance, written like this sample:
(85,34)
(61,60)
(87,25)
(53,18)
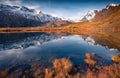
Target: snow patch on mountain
(112,4)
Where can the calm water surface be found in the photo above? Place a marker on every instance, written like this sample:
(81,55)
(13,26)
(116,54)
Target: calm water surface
(26,48)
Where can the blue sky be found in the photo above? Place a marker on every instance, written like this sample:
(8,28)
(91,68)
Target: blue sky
(67,9)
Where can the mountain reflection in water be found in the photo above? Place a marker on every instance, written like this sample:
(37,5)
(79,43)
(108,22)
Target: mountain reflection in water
(44,48)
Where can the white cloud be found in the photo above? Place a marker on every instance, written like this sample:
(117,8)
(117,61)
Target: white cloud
(36,7)
(11,2)
(74,16)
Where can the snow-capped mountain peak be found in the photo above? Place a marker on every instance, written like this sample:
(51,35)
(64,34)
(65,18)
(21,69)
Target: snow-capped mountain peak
(111,4)
(88,16)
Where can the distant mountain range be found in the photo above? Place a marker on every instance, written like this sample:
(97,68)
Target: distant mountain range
(16,16)
(21,16)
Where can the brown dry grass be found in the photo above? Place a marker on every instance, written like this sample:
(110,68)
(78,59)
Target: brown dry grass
(59,70)
(90,60)
(63,68)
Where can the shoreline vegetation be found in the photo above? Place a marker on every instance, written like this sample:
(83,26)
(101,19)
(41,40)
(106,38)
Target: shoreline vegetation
(63,68)
(87,28)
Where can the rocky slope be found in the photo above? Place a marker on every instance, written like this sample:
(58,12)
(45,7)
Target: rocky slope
(100,15)
(106,12)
